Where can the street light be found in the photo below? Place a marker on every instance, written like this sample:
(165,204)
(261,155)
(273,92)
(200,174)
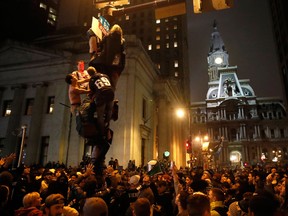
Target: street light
(180,113)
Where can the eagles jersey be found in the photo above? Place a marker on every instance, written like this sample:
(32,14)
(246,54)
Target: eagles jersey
(101,88)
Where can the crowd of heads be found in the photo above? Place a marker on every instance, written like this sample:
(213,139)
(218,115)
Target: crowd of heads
(61,190)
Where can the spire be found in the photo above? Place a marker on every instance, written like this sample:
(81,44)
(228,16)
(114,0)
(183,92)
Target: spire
(217,56)
(217,43)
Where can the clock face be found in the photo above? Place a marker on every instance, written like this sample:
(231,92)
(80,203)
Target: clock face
(218,60)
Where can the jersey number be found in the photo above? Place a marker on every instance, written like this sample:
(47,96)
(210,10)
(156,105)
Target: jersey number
(102,82)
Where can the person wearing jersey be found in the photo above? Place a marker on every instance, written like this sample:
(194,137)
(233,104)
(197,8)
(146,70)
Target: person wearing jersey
(102,97)
(102,94)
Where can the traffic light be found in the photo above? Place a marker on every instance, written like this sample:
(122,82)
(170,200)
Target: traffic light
(166,155)
(188,147)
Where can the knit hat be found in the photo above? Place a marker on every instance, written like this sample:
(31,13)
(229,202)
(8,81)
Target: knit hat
(134,179)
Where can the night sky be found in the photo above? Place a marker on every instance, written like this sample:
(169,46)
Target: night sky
(246,30)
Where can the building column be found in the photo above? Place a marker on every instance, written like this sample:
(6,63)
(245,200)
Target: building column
(34,141)
(224,110)
(211,133)
(255,131)
(163,126)
(258,128)
(244,131)
(239,113)
(12,144)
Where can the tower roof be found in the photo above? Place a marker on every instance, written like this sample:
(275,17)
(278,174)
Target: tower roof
(217,43)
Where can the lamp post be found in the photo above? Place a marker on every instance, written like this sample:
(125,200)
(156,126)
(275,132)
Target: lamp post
(185,113)
(22,145)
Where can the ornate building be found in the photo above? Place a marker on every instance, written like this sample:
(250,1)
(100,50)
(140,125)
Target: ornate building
(254,129)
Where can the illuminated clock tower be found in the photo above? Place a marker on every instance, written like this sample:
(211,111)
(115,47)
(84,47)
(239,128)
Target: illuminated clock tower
(217,56)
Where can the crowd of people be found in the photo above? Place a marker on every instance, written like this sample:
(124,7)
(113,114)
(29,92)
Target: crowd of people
(57,190)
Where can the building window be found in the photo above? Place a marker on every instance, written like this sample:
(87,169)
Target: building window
(203,119)
(282,134)
(51,22)
(42,5)
(167,36)
(7,108)
(175,27)
(176,74)
(175,44)
(158,46)
(158,29)
(44,150)
(150,47)
(127,17)
(272,133)
(52,17)
(158,21)
(29,106)
(167,45)
(51,103)
(157,37)
(176,64)
(52,11)
(166,20)
(158,66)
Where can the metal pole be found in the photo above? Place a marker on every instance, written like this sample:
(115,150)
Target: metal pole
(69,136)
(22,145)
